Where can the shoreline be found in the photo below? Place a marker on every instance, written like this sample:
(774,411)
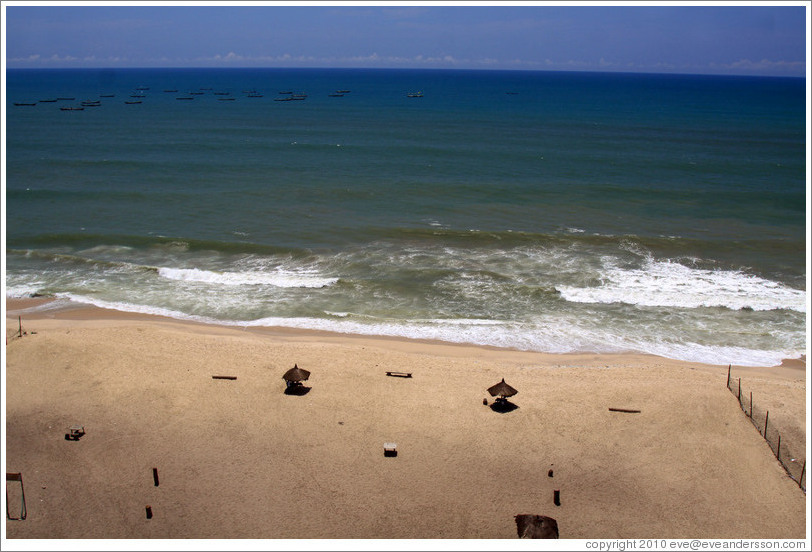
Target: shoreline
(790,368)
(240,458)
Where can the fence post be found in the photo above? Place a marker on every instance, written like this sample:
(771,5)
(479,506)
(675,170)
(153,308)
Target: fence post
(751,405)
(740,391)
(766,420)
(728,376)
(778,450)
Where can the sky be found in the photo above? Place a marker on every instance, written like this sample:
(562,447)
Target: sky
(729,38)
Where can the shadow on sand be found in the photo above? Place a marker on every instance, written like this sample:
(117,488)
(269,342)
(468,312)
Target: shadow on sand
(503,406)
(299,390)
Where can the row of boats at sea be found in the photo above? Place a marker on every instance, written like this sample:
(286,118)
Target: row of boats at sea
(139,94)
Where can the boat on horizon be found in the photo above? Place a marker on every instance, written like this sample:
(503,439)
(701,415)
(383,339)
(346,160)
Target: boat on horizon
(415,94)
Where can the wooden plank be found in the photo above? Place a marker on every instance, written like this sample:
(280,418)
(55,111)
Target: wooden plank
(400,374)
(224,377)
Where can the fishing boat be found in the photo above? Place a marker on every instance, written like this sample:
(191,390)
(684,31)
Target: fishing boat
(134,102)
(72,108)
(415,94)
(24,103)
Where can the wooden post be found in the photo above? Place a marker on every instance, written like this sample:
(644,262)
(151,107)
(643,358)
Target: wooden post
(778,450)
(751,405)
(766,420)
(728,376)
(149,512)
(557,497)
(155,475)
(803,471)
(20,319)
(740,391)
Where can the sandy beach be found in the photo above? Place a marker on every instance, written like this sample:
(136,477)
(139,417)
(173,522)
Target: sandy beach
(240,459)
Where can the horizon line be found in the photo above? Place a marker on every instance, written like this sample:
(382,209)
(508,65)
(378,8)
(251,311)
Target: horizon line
(449,69)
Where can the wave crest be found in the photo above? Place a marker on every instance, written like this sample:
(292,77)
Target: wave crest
(671,284)
(279,278)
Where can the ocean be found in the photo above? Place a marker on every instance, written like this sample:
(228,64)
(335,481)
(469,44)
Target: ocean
(544,211)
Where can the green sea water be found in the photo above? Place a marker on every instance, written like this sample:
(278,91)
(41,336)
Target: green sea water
(554,212)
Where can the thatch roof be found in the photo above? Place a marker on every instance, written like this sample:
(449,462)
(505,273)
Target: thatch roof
(531,526)
(296,374)
(502,389)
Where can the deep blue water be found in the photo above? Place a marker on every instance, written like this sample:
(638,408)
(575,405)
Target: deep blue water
(542,211)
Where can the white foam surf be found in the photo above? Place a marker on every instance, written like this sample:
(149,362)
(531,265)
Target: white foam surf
(548,336)
(671,284)
(277,278)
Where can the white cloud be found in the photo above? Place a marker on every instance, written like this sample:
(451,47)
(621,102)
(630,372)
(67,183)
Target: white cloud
(425,60)
(766,65)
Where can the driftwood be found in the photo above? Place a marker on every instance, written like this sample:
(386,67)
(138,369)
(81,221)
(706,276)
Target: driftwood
(224,377)
(624,410)
(531,526)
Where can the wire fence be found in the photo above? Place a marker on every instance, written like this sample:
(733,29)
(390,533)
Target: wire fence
(789,448)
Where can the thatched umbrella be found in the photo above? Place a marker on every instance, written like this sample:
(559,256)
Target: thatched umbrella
(296,375)
(502,390)
(530,526)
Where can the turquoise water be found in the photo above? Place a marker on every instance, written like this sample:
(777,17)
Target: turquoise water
(542,211)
